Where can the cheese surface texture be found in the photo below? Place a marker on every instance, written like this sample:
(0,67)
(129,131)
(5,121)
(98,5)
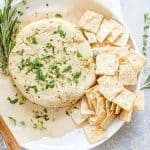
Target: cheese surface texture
(52,63)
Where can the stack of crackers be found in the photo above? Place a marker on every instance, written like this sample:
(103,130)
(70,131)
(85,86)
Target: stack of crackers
(117,68)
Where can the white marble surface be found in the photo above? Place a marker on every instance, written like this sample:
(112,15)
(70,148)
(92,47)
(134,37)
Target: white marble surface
(135,135)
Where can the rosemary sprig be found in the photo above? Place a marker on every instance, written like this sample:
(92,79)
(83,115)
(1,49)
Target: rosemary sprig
(145,35)
(146,83)
(145,47)
(8,20)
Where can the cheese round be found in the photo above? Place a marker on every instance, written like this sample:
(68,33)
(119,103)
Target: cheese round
(52,63)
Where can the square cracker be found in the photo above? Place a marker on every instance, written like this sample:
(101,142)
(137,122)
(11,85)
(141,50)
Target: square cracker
(125,99)
(85,110)
(104,31)
(117,110)
(109,87)
(108,120)
(106,64)
(98,118)
(116,32)
(100,105)
(126,115)
(137,60)
(127,75)
(113,106)
(91,95)
(119,52)
(139,102)
(115,24)
(94,133)
(90,21)
(108,105)
(123,39)
(76,115)
(91,37)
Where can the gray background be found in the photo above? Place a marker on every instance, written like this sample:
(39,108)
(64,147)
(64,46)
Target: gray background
(134,135)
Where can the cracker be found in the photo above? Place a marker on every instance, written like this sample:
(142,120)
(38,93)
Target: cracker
(137,60)
(94,104)
(139,102)
(100,104)
(76,115)
(90,21)
(85,108)
(117,110)
(113,106)
(104,31)
(109,87)
(98,118)
(94,134)
(115,24)
(123,39)
(131,50)
(91,95)
(127,75)
(119,52)
(108,120)
(115,33)
(108,105)
(106,64)
(91,37)
(125,99)
(126,115)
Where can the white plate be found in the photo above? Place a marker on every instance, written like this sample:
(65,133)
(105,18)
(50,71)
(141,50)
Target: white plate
(75,139)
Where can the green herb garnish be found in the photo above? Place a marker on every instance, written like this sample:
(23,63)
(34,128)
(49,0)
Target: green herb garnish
(31,87)
(58,15)
(50,46)
(22,100)
(34,40)
(24,2)
(39,119)
(34,66)
(45,110)
(22,123)
(45,117)
(67,113)
(38,124)
(145,47)
(20,13)
(56,70)
(12,101)
(95,55)
(60,31)
(77,75)
(146,83)
(13,120)
(50,84)
(20,52)
(67,69)
(79,54)
(145,35)
(40,75)
(8,21)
